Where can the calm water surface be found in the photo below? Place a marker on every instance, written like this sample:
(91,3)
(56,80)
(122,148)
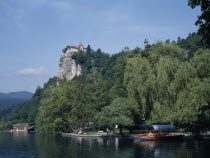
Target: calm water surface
(20,145)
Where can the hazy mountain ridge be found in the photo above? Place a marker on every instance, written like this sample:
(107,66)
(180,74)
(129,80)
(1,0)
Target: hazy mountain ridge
(8,100)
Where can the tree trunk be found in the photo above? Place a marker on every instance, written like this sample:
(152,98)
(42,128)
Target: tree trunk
(121,131)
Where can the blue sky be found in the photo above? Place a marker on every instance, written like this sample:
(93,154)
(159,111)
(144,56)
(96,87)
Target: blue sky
(34,32)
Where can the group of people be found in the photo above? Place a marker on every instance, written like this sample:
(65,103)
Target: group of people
(150,134)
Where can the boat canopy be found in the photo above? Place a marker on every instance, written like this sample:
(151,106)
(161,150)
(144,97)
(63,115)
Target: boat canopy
(163,127)
(143,127)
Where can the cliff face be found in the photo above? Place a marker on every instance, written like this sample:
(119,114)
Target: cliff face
(68,68)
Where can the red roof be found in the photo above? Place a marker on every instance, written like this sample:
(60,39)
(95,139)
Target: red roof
(78,47)
(74,47)
(80,44)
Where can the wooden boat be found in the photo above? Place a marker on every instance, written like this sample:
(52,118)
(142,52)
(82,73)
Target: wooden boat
(158,134)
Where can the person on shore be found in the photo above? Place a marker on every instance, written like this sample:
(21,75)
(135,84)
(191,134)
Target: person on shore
(107,131)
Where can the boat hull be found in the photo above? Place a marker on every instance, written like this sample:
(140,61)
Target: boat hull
(157,137)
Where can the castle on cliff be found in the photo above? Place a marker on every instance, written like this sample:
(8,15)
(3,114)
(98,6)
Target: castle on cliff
(68,68)
(80,47)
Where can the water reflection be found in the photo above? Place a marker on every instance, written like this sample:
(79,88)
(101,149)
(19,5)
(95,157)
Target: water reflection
(13,145)
(173,149)
(159,148)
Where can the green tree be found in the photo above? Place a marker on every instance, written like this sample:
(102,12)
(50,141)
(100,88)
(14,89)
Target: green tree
(54,104)
(201,62)
(191,44)
(121,112)
(146,43)
(203,20)
(88,49)
(139,83)
(167,41)
(179,39)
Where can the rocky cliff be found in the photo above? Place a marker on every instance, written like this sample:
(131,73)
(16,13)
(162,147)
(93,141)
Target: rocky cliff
(68,68)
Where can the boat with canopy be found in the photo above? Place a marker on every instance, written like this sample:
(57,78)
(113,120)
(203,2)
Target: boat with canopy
(159,132)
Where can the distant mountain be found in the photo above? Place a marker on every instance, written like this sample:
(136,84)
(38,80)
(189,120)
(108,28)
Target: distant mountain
(8,100)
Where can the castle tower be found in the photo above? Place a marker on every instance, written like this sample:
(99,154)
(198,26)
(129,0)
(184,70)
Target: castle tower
(80,47)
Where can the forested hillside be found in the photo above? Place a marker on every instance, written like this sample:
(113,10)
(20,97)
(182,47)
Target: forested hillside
(164,83)
(7,100)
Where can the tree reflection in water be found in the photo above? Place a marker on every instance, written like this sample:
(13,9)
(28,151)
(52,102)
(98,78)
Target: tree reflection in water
(13,145)
(173,149)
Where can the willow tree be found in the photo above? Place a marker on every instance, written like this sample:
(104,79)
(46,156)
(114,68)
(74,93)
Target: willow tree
(168,88)
(121,112)
(140,83)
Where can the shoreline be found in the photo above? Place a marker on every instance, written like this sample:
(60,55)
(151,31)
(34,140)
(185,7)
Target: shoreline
(186,136)
(88,135)
(203,137)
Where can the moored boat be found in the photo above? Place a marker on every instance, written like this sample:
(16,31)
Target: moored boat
(158,132)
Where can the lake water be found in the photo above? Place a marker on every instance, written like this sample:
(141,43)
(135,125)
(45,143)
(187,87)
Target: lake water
(20,145)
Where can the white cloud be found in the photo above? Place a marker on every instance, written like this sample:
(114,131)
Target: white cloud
(32,71)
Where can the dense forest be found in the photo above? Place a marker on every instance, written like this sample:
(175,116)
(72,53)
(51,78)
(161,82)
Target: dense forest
(164,83)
